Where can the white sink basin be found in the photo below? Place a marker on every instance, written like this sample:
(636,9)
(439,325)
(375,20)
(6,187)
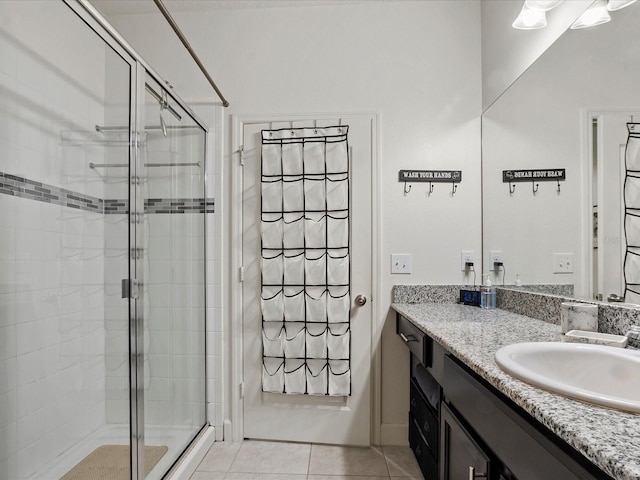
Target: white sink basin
(597,374)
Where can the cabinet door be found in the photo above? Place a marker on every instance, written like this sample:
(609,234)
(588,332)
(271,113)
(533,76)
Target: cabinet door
(461,457)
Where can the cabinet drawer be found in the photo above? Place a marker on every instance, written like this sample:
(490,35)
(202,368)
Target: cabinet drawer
(425,417)
(415,339)
(428,464)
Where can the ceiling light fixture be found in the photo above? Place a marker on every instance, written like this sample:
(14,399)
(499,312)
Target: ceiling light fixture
(613,5)
(530,19)
(545,5)
(596,14)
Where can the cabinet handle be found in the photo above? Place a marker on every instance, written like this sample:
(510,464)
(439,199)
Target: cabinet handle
(426,427)
(408,339)
(473,474)
(413,402)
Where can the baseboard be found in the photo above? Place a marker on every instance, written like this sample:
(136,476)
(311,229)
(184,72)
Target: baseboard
(394,434)
(192,459)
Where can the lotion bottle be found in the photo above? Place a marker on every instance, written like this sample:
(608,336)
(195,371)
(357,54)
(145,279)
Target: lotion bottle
(487,294)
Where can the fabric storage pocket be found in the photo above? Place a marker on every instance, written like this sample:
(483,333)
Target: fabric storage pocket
(292,159)
(271,164)
(272,268)
(338,342)
(338,305)
(315,228)
(294,340)
(314,193)
(632,154)
(338,230)
(316,304)
(339,378)
(273,375)
(272,339)
(271,195)
(272,304)
(632,268)
(632,192)
(293,230)
(317,383)
(338,267)
(314,158)
(632,229)
(337,158)
(337,192)
(315,267)
(295,376)
(316,340)
(293,195)
(293,304)
(294,267)
(271,230)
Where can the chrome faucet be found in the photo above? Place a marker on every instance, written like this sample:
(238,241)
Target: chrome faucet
(615,298)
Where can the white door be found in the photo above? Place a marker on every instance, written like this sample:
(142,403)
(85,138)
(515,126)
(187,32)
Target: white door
(301,417)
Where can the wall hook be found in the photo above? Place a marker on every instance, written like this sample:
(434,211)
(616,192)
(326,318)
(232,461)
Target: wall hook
(430,188)
(534,187)
(512,188)
(454,187)
(406,190)
(558,190)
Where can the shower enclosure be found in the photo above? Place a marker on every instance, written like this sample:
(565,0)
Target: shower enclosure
(102,244)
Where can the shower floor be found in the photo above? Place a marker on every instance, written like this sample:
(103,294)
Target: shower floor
(175,438)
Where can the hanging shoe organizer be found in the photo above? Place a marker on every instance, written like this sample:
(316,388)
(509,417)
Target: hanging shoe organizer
(632,215)
(305,261)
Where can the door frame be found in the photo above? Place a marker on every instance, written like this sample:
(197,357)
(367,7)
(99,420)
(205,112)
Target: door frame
(238,121)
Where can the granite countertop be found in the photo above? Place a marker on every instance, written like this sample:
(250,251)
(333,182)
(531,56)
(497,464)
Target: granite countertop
(608,438)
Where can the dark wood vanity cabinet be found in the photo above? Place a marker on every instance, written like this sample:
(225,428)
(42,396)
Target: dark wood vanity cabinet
(461,427)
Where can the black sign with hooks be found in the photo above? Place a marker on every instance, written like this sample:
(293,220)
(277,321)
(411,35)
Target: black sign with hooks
(447,176)
(542,175)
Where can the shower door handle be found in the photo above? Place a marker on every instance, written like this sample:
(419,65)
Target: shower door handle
(130,288)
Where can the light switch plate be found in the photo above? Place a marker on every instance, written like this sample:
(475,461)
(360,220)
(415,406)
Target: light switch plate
(563,263)
(400,263)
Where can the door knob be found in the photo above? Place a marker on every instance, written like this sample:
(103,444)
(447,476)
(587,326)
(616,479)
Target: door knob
(361,300)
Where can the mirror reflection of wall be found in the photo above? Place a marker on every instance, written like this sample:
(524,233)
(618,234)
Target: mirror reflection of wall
(568,110)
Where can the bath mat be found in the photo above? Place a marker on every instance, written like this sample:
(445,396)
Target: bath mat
(111,462)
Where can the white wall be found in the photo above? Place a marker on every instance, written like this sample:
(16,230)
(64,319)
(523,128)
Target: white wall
(507,52)
(417,63)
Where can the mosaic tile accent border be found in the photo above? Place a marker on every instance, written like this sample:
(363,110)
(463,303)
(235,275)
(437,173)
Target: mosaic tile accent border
(23,187)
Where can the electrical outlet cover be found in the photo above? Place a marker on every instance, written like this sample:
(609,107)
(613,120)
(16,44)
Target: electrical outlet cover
(563,263)
(401,263)
(467,256)
(494,256)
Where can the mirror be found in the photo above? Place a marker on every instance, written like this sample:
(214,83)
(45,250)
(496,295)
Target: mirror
(567,111)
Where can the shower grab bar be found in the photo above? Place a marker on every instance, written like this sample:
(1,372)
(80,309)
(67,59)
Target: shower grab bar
(153,165)
(186,44)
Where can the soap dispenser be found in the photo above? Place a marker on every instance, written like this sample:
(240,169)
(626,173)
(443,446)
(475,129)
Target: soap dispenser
(487,294)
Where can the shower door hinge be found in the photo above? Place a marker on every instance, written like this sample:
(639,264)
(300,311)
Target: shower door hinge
(130,288)
(241,154)
(241,273)
(241,389)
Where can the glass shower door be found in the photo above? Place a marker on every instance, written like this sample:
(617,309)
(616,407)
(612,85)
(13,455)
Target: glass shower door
(172,153)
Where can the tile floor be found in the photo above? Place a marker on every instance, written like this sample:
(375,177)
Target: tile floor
(260,460)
